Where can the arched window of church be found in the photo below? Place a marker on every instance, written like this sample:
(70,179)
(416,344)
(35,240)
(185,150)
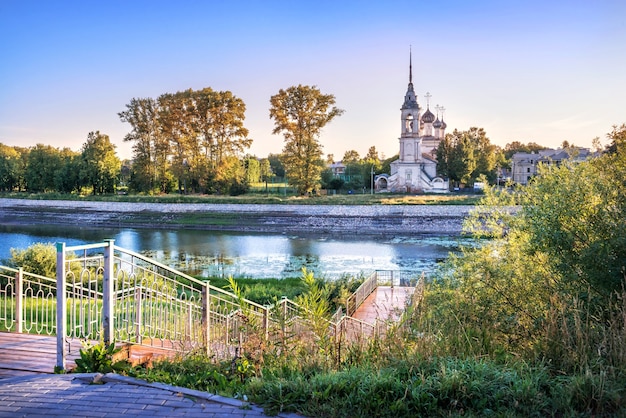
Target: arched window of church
(408,127)
(408,175)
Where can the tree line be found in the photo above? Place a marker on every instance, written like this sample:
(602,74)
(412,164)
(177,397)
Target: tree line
(195,141)
(43,168)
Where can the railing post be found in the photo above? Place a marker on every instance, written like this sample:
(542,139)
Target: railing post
(138,313)
(206,317)
(108,320)
(266,323)
(61,306)
(19,300)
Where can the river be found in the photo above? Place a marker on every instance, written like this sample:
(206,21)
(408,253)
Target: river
(257,255)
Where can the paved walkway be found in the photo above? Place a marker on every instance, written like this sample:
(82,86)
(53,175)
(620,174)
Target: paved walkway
(111,395)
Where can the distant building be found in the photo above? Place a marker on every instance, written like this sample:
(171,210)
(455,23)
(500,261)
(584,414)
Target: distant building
(524,165)
(415,170)
(338,168)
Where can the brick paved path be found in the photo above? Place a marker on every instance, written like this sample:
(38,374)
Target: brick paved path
(75,395)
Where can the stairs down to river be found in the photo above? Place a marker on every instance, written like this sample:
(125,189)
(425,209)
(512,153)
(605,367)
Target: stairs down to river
(385,303)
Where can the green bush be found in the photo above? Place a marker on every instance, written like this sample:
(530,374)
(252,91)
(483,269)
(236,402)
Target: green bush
(40,258)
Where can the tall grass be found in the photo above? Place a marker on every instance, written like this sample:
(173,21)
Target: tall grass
(425,365)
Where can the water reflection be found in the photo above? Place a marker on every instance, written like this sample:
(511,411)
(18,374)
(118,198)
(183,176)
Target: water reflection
(249,255)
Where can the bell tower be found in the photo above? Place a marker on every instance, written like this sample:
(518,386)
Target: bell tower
(410,117)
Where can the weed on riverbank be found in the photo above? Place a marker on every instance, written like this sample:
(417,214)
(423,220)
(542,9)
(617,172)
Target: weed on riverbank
(276,199)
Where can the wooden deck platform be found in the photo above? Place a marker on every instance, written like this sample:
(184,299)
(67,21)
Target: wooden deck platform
(22,354)
(385,303)
(26,354)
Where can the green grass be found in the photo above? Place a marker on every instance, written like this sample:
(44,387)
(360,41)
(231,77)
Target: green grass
(260,198)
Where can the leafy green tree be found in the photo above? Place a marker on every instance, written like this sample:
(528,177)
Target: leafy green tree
(9,168)
(516,146)
(265,170)
(463,156)
(372,154)
(39,258)
(43,162)
(485,153)
(100,166)
(230,177)
(618,140)
(299,113)
(386,164)
(557,249)
(142,115)
(351,156)
(253,170)
(67,176)
(276,165)
(462,159)
(184,137)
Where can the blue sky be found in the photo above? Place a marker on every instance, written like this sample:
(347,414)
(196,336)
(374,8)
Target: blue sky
(542,71)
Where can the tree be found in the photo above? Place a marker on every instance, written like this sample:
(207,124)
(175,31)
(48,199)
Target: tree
(9,168)
(142,115)
(100,166)
(278,169)
(372,154)
(516,146)
(43,162)
(266,170)
(184,137)
(463,156)
(462,161)
(485,153)
(558,261)
(618,139)
(299,113)
(350,157)
(67,177)
(40,258)
(253,169)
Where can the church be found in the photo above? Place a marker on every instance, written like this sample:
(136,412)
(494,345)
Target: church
(415,170)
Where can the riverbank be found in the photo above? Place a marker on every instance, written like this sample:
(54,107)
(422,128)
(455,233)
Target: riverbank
(343,219)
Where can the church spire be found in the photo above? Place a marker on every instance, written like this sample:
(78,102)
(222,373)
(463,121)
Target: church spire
(410,65)
(410,98)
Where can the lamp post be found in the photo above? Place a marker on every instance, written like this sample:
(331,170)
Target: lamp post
(372,180)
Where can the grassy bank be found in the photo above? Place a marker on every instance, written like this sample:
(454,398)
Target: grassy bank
(346,199)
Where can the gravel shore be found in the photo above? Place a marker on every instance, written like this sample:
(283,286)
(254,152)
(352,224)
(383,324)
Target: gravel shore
(356,219)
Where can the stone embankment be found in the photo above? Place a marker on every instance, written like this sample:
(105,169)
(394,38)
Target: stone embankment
(343,219)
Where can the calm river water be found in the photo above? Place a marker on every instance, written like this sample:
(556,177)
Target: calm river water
(209,253)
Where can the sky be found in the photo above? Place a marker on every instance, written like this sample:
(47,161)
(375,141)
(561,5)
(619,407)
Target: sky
(541,71)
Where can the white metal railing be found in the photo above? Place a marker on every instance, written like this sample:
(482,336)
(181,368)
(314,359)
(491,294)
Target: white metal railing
(113,294)
(358,297)
(27,302)
(118,295)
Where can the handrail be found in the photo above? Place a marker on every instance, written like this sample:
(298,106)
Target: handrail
(358,297)
(87,247)
(34,275)
(118,294)
(183,275)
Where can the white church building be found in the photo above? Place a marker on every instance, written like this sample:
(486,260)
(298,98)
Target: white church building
(415,171)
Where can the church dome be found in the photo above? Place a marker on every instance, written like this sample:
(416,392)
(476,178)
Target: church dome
(443,124)
(428,117)
(437,123)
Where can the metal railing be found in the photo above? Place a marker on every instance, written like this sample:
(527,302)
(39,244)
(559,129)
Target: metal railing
(113,294)
(27,302)
(358,297)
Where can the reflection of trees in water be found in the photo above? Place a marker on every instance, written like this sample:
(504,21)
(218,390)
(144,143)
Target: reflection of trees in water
(203,254)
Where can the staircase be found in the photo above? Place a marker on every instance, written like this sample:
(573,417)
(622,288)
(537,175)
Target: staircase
(113,294)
